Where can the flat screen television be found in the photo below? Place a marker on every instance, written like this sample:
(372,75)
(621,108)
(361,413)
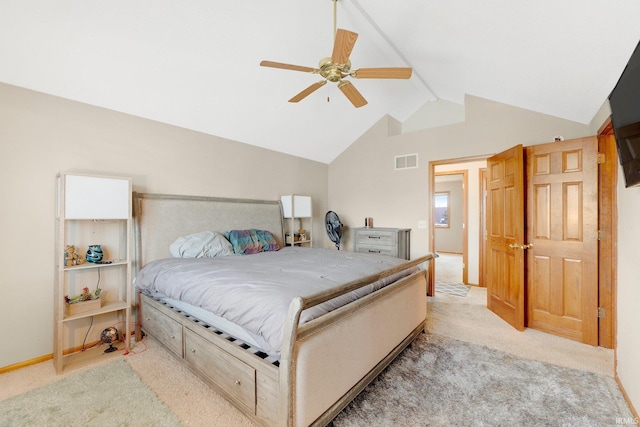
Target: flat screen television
(624,101)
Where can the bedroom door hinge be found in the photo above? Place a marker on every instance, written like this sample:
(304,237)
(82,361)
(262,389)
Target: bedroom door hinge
(601,312)
(600,235)
(601,158)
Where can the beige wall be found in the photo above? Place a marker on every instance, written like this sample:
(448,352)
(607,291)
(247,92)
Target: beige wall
(363,182)
(41,135)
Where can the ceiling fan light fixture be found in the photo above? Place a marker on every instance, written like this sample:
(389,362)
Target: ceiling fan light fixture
(333,72)
(337,67)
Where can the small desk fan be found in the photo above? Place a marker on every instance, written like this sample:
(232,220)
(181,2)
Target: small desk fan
(109,336)
(334,227)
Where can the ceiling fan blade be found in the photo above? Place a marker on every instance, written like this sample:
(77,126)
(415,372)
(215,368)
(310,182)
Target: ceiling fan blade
(288,66)
(343,45)
(382,73)
(308,91)
(352,93)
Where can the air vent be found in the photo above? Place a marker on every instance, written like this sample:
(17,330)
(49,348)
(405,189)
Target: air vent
(408,161)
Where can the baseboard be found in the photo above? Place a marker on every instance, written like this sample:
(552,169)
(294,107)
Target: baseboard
(626,397)
(26,363)
(44,358)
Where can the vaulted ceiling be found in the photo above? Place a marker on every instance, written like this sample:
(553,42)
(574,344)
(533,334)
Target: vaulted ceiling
(195,63)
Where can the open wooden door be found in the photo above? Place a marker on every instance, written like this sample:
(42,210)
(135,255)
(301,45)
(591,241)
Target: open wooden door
(505,236)
(562,224)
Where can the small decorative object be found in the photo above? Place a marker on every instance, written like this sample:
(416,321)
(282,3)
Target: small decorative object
(109,336)
(303,234)
(86,301)
(368,222)
(71,257)
(94,253)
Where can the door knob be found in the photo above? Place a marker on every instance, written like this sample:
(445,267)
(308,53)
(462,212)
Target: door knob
(523,247)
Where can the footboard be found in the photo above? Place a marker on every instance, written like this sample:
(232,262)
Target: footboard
(326,362)
(337,356)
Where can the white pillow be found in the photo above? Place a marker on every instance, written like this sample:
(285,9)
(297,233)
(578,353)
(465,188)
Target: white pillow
(205,244)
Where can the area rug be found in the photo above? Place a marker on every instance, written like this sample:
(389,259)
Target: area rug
(440,381)
(458,289)
(109,395)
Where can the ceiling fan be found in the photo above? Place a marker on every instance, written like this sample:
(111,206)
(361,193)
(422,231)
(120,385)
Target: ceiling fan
(337,67)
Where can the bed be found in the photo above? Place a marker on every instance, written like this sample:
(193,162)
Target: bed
(326,352)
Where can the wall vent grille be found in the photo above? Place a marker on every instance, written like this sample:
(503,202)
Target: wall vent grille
(408,161)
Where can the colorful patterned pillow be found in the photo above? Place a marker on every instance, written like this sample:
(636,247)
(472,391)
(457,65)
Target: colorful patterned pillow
(251,241)
(267,240)
(244,242)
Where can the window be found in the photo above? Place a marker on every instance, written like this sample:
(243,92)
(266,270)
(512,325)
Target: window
(441,211)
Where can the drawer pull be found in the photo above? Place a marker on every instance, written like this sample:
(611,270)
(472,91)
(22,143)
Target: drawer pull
(193,350)
(375,237)
(374,252)
(173,337)
(237,382)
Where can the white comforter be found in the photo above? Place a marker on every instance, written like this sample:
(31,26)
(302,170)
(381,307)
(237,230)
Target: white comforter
(254,291)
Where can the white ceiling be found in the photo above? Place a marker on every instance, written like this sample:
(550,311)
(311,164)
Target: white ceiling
(195,63)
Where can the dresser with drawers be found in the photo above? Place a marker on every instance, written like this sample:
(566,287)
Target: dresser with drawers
(386,241)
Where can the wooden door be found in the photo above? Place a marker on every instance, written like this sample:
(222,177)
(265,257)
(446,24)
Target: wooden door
(562,224)
(505,232)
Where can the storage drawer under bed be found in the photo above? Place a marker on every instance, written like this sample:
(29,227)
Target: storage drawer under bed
(232,376)
(163,328)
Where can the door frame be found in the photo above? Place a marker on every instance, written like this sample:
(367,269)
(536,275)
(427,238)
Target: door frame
(432,241)
(608,240)
(608,225)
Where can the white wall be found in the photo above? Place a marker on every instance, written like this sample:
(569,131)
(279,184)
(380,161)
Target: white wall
(42,135)
(628,294)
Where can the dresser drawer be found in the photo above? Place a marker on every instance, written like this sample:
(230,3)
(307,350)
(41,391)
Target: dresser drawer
(386,241)
(162,327)
(382,250)
(376,237)
(233,377)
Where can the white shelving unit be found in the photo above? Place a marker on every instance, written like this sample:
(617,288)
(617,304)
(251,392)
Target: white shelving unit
(92,210)
(297,210)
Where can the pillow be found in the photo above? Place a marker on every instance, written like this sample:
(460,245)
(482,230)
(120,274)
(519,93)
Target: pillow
(267,240)
(206,244)
(251,241)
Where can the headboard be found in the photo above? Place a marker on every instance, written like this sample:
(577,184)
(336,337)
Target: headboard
(161,218)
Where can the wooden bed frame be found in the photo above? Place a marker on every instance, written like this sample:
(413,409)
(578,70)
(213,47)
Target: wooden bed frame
(324,363)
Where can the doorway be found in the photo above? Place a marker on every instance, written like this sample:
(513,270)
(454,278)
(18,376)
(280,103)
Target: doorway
(450,218)
(472,199)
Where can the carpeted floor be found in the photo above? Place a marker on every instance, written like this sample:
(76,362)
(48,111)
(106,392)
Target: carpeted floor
(436,381)
(450,318)
(440,381)
(111,394)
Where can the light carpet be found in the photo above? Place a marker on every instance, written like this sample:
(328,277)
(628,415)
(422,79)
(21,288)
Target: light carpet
(458,289)
(111,394)
(440,381)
